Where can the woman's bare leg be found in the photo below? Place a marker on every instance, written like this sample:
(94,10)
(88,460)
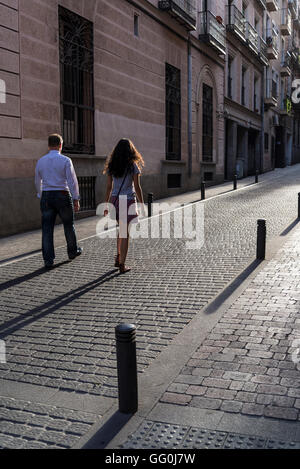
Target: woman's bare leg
(124,245)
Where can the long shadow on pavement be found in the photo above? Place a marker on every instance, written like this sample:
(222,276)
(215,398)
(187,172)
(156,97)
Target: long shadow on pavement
(53,305)
(290,227)
(108,431)
(16,281)
(230,289)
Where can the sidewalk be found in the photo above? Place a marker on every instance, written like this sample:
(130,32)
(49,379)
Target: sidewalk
(215,332)
(231,379)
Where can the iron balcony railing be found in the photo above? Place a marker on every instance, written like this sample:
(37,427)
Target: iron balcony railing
(263,51)
(272,5)
(293,7)
(286,22)
(252,38)
(286,59)
(183,10)
(236,21)
(271,89)
(212,31)
(272,40)
(262,3)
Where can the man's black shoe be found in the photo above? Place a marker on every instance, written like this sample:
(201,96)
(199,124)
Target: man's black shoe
(49,265)
(72,256)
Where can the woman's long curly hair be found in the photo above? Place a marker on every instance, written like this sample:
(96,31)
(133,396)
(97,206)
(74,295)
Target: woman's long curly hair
(122,158)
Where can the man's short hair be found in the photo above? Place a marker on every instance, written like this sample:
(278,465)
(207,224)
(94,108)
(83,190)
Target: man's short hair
(55,140)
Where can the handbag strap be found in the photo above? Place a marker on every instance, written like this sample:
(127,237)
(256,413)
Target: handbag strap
(121,185)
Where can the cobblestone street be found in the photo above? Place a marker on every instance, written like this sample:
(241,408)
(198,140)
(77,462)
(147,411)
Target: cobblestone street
(58,326)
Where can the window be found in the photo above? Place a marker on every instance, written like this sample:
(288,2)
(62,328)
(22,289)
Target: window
(173,113)
(243,90)
(229,77)
(266,142)
(207,131)
(256,104)
(87,192)
(174,181)
(208,176)
(136,25)
(77,82)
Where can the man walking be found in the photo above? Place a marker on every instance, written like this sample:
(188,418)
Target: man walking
(57,187)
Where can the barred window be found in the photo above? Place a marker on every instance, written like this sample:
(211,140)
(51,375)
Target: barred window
(87,192)
(77,82)
(207,130)
(173,113)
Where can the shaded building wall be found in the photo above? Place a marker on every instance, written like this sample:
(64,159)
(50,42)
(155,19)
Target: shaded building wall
(129,82)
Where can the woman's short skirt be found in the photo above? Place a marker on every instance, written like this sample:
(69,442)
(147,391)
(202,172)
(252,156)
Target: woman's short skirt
(126,210)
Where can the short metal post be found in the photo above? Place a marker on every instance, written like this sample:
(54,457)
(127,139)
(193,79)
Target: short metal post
(127,368)
(299,205)
(261,239)
(256,176)
(202,190)
(150,202)
(234,182)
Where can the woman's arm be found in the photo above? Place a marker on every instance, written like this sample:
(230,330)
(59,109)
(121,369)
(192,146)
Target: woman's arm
(108,192)
(137,188)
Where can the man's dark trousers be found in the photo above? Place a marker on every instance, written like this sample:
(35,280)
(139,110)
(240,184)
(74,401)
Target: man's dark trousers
(55,203)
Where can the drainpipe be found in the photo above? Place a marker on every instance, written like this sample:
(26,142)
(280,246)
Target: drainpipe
(190,113)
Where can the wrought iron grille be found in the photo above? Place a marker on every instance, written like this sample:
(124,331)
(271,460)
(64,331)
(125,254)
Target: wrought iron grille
(77,82)
(87,192)
(173,113)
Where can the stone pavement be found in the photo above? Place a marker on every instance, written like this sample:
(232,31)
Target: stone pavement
(212,369)
(241,387)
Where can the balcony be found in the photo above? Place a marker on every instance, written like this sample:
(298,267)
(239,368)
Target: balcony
(293,7)
(252,38)
(272,5)
(261,3)
(285,22)
(271,96)
(212,31)
(236,22)
(184,11)
(297,19)
(285,67)
(293,49)
(272,44)
(263,51)
(285,108)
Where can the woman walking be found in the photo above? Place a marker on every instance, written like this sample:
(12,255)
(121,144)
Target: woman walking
(123,169)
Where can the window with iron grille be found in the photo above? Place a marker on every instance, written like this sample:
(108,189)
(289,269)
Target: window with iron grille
(77,82)
(174,181)
(207,125)
(173,113)
(87,192)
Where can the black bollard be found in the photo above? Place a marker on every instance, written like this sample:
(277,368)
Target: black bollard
(234,182)
(202,190)
(261,239)
(299,205)
(150,202)
(127,368)
(256,176)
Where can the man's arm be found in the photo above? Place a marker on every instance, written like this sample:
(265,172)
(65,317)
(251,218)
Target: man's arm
(73,185)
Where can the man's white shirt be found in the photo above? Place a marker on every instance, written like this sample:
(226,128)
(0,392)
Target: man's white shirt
(55,172)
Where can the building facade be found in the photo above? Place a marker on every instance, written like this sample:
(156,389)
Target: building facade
(191,82)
